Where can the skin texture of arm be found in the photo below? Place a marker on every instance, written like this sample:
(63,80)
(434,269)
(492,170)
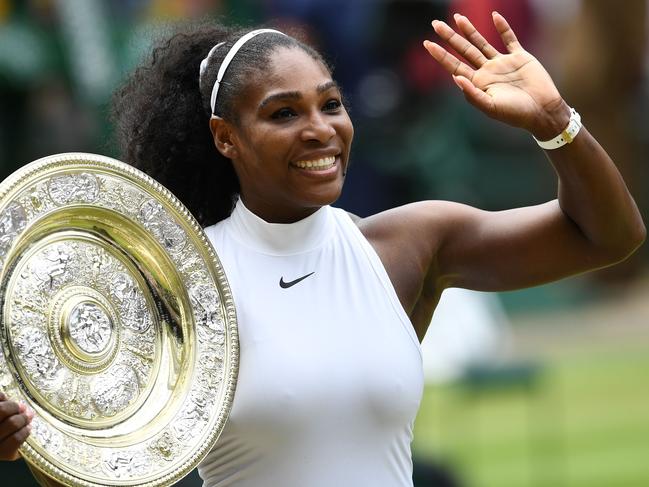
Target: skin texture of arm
(429,246)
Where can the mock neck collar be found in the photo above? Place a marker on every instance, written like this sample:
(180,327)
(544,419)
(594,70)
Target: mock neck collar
(280,238)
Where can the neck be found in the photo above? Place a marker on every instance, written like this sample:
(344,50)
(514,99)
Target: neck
(272,213)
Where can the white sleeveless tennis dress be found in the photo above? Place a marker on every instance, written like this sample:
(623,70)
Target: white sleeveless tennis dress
(330,375)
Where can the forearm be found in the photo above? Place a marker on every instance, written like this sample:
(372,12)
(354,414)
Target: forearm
(593,194)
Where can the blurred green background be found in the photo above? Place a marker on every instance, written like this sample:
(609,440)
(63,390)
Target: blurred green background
(561,398)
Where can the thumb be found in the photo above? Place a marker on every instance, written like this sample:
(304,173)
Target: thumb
(478,98)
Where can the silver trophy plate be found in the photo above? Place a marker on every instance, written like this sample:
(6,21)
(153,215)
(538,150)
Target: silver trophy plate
(117,325)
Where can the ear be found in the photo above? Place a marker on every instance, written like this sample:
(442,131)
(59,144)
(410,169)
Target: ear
(224,137)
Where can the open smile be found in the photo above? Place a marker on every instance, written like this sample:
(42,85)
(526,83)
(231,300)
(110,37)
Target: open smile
(321,164)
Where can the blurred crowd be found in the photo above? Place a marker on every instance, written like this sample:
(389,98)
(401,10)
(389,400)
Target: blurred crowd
(60,60)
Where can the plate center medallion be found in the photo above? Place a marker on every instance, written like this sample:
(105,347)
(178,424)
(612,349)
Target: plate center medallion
(90,327)
(83,329)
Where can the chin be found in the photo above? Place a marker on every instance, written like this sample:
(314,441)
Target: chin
(324,198)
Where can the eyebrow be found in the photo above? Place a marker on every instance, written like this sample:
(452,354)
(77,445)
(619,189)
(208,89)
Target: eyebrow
(296,95)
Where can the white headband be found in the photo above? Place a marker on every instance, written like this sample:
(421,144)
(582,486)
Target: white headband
(228,58)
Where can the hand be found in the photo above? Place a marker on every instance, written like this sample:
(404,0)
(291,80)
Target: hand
(513,88)
(15,426)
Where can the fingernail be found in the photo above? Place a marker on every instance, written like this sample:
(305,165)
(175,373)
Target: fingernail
(29,428)
(457,82)
(22,407)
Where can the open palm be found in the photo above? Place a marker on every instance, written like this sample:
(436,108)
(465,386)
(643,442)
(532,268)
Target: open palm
(513,87)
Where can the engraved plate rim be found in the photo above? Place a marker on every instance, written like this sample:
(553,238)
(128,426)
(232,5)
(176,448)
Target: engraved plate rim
(79,162)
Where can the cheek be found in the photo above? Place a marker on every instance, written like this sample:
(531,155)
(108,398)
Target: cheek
(264,149)
(351,132)
(274,141)
(346,125)
(346,132)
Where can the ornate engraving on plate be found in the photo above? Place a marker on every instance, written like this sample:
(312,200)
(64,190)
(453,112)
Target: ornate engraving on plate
(116,316)
(12,221)
(81,337)
(82,188)
(168,233)
(45,434)
(122,198)
(207,309)
(120,464)
(114,391)
(90,327)
(131,303)
(165,447)
(191,417)
(38,359)
(49,269)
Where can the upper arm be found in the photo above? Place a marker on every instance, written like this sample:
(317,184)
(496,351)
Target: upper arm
(512,249)
(445,244)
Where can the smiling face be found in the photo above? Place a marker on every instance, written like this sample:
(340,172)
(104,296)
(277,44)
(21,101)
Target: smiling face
(290,145)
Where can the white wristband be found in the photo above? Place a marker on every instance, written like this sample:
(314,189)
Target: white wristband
(565,137)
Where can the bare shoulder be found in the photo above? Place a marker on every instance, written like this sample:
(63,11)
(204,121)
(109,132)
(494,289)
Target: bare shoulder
(408,240)
(355,218)
(430,219)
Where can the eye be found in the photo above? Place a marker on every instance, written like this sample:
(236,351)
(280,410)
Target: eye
(332,105)
(283,113)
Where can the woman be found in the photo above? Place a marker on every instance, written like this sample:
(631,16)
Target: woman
(330,306)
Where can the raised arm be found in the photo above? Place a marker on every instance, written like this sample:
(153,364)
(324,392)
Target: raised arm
(595,218)
(593,223)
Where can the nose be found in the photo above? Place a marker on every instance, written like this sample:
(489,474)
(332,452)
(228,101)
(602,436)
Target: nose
(318,128)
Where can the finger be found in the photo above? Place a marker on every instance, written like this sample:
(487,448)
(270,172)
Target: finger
(474,95)
(506,33)
(449,62)
(9,408)
(12,424)
(9,446)
(472,34)
(463,47)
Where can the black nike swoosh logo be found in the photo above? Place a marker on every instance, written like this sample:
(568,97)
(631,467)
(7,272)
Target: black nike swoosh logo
(286,285)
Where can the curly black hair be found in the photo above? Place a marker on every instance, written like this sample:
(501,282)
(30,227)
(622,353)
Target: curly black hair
(161,113)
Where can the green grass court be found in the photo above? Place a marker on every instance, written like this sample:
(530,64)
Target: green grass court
(579,419)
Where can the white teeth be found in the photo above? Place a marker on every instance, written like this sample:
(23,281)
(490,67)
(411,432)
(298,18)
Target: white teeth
(325,162)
